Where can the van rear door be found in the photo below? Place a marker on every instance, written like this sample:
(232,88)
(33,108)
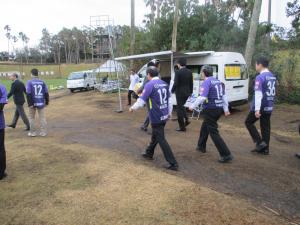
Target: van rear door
(236,82)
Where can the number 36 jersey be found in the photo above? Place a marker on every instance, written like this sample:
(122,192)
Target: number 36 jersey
(156,94)
(266,83)
(37,89)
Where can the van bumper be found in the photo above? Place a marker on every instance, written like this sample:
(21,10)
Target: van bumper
(238,103)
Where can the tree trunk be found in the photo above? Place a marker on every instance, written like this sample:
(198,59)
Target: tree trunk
(132,30)
(175,23)
(250,47)
(269,22)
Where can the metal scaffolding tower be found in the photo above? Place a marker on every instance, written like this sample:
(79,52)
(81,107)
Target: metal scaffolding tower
(104,42)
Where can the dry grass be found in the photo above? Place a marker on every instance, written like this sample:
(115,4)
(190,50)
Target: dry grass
(51,182)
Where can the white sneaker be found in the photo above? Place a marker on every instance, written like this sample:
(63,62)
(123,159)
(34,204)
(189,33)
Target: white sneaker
(43,134)
(32,134)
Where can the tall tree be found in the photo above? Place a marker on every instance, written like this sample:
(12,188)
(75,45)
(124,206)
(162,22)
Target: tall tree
(8,36)
(250,47)
(175,23)
(151,4)
(132,30)
(269,23)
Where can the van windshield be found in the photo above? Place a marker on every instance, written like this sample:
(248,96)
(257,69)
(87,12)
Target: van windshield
(236,72)
(76,76)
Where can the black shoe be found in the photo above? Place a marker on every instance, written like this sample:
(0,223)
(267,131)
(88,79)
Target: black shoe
(3,176)
(187,123)
(226,159)
(173,167)
(297,155)
(264,152)
(27,129)
(180,129)
(147,156)
(11,126)
(144,128)
(260,147)
(203,150)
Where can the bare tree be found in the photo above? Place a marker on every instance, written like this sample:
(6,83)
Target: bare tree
(252,32)
(132,30)
(175,23)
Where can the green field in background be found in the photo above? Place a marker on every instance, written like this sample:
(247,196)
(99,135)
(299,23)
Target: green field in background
(53,82)
(62,70)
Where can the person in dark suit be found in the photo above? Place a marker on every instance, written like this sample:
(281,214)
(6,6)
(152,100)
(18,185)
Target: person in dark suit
(183,88)
(18,90)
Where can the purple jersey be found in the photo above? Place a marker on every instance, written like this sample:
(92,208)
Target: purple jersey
(37,88)
(266,83)
(213,90)
(156,94)
(3,100)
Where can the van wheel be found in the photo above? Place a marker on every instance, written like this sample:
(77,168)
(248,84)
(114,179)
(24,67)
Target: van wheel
(88,88)
(72,90)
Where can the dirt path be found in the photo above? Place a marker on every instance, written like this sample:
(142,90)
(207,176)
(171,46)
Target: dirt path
(269,181)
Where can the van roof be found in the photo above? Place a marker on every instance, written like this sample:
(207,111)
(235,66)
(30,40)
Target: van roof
(165,55)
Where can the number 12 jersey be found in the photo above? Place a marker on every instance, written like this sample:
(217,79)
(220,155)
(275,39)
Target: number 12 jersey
(37,89)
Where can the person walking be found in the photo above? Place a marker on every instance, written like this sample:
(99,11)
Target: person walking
(214,100)
(156,63)
(183,88)
(262,106)
(157,96)
(3,102)
(18,90)
(37,99)
(134,79)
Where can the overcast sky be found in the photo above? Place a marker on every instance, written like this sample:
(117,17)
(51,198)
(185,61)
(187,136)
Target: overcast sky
(31,16)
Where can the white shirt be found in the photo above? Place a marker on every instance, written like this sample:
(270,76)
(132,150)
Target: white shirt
(134,79)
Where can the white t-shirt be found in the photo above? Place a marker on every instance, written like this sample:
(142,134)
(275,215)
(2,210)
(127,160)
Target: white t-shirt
(134,79)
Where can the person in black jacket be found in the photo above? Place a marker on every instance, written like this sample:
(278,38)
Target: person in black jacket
(18,90)
(183,88)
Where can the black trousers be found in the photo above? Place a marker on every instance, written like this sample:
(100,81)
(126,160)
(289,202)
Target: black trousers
(2,153)
(210,127)
(265,127)
(20,112)
(146,122)
(129,96)
(181,111)
(158,137)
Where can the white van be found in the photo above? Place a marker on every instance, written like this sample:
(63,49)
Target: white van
(83,80)
(229,67)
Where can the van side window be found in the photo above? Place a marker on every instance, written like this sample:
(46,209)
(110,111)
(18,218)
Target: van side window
(236,72)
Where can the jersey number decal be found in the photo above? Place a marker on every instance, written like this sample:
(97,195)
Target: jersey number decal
(38,89)
(162,96)
(271,88)
(219,90)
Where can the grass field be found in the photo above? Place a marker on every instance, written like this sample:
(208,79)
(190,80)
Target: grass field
(51,82)
(62,70)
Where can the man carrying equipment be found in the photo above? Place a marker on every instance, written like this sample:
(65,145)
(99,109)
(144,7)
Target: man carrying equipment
(262,106)
(157,96)
(213,98)
(3,101)
(37,99)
